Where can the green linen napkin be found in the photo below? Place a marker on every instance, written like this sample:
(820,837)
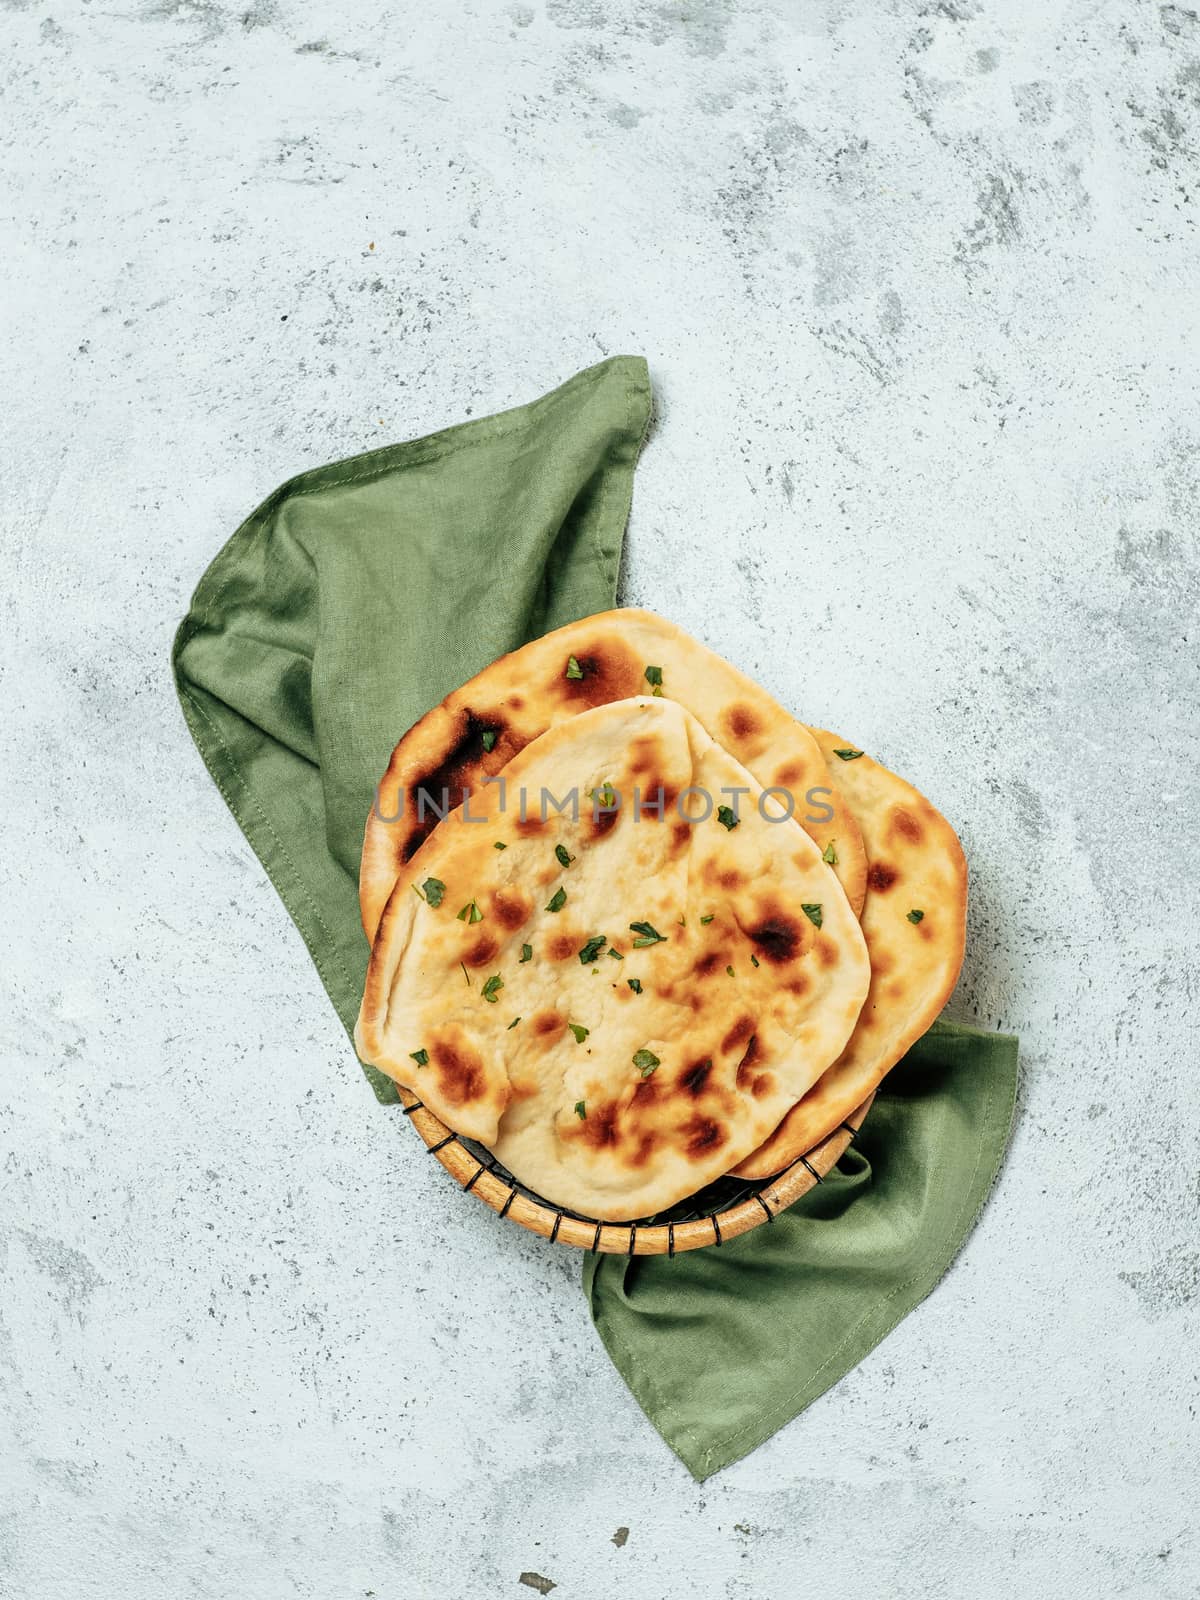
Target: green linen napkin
(349,603)
(722,1347)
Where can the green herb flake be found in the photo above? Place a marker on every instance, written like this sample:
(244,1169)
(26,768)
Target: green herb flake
(526,954)
(581,1110)
(499,845)
(654,679)
(558,900)
(492,988)
(434,889)
(704,921)
(847,755)
(814,914)
(727,819)
(465,973)
(646,935)
(615,954)
(470,913)
(829,854)
(916,916)
(592,949)
(512,1024)
(729,972)
(580,1032)
(605,797)
(488,738)
(574,670)
(564,858)
(635,984)
(421,1057)
(754,961)
(646,1062)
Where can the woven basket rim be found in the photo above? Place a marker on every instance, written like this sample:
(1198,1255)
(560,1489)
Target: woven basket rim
(508,1198)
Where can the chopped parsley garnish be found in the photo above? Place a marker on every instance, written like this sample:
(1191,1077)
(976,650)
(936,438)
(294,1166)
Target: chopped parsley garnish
(605,797)
(470,913)
(646,935)
(557,900)
(814,914)
(615,954)
(526,954)
(499,845)
(654,679)
(635,984)
(704,921)
(581,1110)
(512,1024)
(646,1062)
(421,1057)
(488,738)
(564,858)
(754,961)
(727,818)
(434,890)
(465,973)
(729,972)
(847,755)
(592,949)
(829,854)
(492,988)
(580,1032)
(916,916)
(574,670)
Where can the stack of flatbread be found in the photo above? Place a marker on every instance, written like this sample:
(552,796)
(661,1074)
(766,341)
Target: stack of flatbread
(634,927)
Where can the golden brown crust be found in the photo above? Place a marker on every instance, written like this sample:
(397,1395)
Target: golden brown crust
(480,727)
(914,921)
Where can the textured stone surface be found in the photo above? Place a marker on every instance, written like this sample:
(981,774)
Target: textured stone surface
(917,283)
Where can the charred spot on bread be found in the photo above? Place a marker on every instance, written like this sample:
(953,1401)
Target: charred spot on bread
(442,787)
(511,908)
(598,819)
(906,825)
(746,1064)
(740,721)
(741,1030)
(599,1128)
(778,937)
(701,1134)
(460,1073)
(694,1077)
(606,671)
(482,951)
(547,1024)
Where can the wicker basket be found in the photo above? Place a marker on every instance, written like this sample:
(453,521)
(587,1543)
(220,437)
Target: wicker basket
(722,1211)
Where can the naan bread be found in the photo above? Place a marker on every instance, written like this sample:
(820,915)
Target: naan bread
(515,1025)
(479,728)
(915,923)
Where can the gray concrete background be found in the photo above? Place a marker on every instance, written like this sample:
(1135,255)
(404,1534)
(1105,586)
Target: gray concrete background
(918,287)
